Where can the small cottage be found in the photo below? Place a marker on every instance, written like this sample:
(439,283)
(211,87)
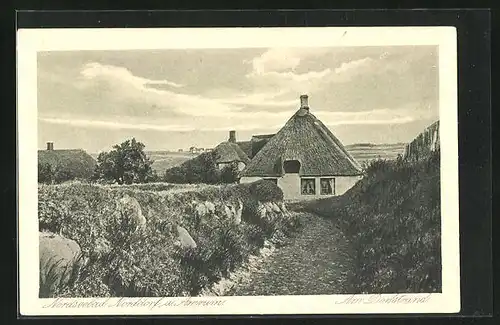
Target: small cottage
(255,144)
(304,159)
(66,164)
(229,152)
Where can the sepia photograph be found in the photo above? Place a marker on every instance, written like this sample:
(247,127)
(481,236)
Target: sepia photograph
(273,169)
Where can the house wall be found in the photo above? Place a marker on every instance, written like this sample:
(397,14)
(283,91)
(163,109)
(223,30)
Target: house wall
(290,184)
(241,165)
(249,179)
(344,183)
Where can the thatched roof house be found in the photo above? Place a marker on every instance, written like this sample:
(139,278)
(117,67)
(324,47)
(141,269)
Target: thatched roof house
(255,144)
(65,164)
(229,152)
(305,159)
(246,147)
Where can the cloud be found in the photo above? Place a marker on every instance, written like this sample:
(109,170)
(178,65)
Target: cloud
(350,65)
(403,115)
(247,121)
(312,80)
(260,99)
(95,69)
(114,125)
(107,96)
(119,84)
(282,59)
(278,68)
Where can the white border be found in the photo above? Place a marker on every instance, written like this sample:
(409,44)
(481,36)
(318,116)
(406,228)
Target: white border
(33,40)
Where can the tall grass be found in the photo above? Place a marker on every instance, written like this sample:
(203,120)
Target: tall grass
(120,261)
(392,220)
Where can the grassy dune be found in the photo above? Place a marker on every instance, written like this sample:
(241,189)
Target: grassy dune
(364,153)
(123,261)
(163,160)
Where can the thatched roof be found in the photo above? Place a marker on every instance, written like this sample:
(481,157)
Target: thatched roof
(262,136)
(230,152)
(259,141)
(250,148)
(78,161)
(246,146)
(308,140)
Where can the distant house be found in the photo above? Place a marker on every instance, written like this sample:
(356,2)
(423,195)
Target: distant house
(229,152)
(198,150)
(66,164)
(255,144)
(304,159)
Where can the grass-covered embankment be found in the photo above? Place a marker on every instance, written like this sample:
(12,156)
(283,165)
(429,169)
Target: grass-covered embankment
(122,261)
(392,219)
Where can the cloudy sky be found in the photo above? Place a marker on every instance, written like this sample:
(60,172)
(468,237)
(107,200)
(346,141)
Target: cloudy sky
(172,99)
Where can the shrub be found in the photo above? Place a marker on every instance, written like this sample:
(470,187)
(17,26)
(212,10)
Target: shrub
(229,173)
(147,262)
(45,173)
(254,236)
(201,169)
(265,191)
(176,175)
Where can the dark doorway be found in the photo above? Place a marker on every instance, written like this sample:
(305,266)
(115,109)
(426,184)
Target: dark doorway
(291,166)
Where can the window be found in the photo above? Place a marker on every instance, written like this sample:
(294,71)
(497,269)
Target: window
(291,166)
(308,186)
(327,186)
(274,180)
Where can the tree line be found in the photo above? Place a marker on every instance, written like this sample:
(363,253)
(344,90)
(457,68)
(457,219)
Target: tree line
(128,163)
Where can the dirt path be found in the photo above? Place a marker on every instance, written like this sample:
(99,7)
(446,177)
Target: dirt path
(315,261)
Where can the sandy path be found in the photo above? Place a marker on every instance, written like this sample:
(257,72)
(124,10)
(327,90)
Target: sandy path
(315,261)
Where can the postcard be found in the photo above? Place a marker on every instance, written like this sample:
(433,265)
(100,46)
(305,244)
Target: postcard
(230,171)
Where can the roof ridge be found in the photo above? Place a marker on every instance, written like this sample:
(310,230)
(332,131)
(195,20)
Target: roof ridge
(237,153)
(327,157)
(324,129)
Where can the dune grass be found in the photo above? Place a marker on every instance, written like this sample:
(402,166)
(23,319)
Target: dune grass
(120,261)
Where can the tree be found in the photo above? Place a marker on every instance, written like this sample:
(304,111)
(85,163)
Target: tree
(229,173)
(127,163)
(62,174)
(201,169)
(45,174)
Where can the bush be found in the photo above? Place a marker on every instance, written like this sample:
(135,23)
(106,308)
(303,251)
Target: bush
(265,191)
(147,262)
(201,169)
(393,220)
(45,173)
(229,173)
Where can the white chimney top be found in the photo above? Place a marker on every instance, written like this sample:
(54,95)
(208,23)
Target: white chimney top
(304,102)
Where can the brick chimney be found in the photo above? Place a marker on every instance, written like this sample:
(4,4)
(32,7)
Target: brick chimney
(232,136)
(304,102)
(50,145)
